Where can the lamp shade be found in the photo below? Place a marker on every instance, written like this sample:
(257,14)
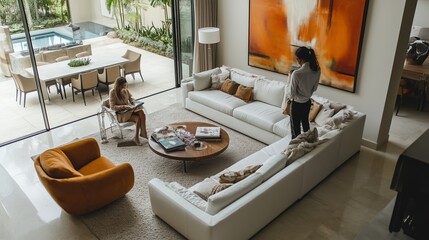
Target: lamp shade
(209,35)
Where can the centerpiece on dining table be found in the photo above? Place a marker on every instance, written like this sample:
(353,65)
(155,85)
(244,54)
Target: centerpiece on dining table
(79,62)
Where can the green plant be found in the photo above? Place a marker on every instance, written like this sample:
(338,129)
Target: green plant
(79,62)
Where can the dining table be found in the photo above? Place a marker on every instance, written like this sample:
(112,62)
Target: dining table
(420,74)
(59,70)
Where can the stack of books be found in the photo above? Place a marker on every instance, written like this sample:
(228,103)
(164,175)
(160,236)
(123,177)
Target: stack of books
(167,139)
(208,134)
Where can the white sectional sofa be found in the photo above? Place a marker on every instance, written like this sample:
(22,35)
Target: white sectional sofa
(241,210)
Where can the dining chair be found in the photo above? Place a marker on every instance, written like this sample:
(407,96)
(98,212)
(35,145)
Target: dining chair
(133,64)
(25,85)
(109,75)
(86,81)
(65,81)
(82,54)
(50,82)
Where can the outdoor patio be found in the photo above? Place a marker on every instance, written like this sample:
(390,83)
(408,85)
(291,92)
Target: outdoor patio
(157,71)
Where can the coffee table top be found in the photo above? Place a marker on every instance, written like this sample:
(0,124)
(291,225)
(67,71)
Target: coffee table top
(189,154)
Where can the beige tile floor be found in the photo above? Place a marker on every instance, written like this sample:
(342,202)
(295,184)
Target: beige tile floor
(157,71)
(338,208)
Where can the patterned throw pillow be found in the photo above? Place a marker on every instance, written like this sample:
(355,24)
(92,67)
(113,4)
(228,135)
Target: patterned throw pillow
(244,93)
(229,86)
(218,79)
(236,176)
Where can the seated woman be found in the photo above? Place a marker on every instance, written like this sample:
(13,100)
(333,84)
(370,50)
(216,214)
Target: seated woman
(120,99)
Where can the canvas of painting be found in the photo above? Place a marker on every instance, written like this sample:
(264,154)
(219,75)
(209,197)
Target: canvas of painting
(333,28)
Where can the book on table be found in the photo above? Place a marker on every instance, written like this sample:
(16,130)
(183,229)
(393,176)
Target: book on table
(207,133)
(172,144)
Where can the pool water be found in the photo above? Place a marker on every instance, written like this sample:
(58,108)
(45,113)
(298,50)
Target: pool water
(86,30)
(40,40)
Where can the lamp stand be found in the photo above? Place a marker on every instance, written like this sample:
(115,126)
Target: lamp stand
(209,53)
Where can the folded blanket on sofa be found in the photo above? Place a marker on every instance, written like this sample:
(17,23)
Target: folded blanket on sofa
(302,144)
(338,120)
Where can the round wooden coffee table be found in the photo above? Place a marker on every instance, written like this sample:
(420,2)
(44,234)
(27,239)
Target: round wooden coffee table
(190,154)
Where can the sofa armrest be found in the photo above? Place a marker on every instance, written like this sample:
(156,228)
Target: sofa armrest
(187,85)
(182,215)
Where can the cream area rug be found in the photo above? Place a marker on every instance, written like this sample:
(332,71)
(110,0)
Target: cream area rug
(131,217)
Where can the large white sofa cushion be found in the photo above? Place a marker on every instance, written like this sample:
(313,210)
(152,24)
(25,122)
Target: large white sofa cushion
(244,78)
(259,114)
(272,165)
(282,127)
(222,199)
(269,91)
(217,100)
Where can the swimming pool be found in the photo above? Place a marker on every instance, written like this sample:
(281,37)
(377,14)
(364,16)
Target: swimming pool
(55,36)
(40,40)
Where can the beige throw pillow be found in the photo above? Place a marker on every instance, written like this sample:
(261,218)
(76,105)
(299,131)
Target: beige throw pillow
(244,93)
(204,189)
(229,86)
(202,80)
(234,177)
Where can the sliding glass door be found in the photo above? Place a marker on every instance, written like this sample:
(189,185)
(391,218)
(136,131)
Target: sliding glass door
(183,19)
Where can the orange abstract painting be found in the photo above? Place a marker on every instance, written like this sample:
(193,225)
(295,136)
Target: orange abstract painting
(333,28)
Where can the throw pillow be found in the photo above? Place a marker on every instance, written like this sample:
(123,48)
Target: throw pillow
(314,110)
(236,176)
(219,187)
(336,106)
(244,93)
(188,195)
(218,79)
(202,80)
(324,115)
(229,86)
(204,189)
(57,165)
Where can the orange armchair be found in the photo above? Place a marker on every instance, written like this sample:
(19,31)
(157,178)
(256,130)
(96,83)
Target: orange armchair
(79,179)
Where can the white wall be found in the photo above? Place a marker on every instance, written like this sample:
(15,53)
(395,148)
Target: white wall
(376,62)
(421,17)
(84,10)
(79,11)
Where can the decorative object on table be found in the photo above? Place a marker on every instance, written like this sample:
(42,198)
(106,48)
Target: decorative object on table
(184,135)
(277,28)
(207,133)
(79,62)
(198,145)
(417,52)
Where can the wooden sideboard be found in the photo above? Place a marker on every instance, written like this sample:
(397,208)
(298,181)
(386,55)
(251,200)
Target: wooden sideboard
(419,73)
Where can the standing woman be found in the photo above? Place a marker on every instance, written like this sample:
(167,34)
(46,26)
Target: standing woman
(304,82)
(121,99)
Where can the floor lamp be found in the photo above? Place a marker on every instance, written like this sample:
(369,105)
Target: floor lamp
(209,35)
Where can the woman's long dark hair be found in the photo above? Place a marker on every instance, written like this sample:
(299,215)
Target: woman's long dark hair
(308,55)
(118,86)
